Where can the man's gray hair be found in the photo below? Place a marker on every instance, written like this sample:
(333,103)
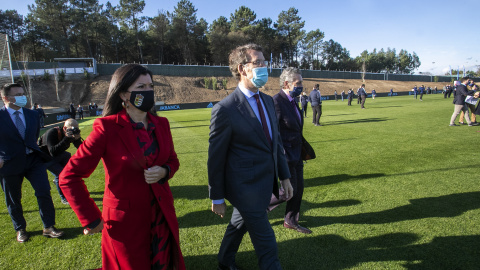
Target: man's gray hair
(288,74)
(239,56)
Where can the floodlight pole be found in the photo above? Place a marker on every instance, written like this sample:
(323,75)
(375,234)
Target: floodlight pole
(9,58)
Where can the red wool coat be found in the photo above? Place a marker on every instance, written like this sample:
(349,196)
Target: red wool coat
(127,197)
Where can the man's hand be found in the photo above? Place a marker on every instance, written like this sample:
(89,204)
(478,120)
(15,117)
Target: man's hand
(287,187)
(219,209)
(94,230)
(154,174)
(476,95)
(1,162)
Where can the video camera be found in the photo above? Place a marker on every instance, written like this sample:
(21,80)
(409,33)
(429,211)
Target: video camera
(73,131)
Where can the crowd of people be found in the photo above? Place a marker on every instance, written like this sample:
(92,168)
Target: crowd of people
(254,161)
(92,110)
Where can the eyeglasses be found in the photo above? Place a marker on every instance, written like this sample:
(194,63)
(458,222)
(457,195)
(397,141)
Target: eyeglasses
(258,63)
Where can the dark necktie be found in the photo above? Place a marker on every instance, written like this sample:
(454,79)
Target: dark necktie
(262,118)
(19,124)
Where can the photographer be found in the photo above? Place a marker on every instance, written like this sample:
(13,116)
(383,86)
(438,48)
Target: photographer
(55,143)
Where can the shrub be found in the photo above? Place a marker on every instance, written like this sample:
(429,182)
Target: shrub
(207,82)
(86,75)
(61,75)
(214,83)
(24,77)
(46,75)
(224,83)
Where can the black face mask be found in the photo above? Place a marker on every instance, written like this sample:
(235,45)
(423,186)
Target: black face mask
(142,100)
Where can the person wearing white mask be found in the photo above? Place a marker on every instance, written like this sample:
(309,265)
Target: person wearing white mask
(22,158)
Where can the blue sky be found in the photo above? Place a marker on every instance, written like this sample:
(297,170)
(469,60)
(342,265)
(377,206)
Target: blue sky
(432,29)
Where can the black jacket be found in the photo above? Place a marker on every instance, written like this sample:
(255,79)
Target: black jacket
(462,93)
(54,142)
(290,126)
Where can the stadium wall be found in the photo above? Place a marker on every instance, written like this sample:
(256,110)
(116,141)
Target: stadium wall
(223,71)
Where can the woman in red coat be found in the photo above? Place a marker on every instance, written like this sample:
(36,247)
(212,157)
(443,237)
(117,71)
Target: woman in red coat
(140,228)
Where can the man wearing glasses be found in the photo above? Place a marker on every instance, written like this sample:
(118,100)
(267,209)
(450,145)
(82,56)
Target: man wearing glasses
(245,159)
(20,157)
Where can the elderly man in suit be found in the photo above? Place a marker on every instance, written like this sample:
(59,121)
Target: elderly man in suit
(21,158)
(290,121)
(245,159)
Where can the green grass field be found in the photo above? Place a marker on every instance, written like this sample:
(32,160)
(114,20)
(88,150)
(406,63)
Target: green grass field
(393,187)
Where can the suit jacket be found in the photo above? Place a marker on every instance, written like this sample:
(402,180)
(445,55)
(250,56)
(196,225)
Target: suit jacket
(127,197)
(462,93)
(290,126)
(242,166)
(12,146)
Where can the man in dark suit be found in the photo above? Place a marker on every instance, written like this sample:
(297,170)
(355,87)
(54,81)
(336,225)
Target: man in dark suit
(21,157)
(362,95)
(316,103)
(290,121)
(245,158)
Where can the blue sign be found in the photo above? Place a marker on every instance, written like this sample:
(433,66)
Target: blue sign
(169,107)
(61,117)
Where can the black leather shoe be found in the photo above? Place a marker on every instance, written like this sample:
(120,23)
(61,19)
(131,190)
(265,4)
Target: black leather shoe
(22,236)
(52,232)
(223,267)
(298,228)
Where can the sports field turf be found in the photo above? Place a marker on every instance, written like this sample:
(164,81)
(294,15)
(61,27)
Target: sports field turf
(393,187)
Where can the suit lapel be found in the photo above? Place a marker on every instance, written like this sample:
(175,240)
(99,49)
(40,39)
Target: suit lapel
(270,108)
(246,111)
(291,112)
(8,121)
(129,139)
(29,123)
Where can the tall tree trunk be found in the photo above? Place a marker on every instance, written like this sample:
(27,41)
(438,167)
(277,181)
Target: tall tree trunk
(65,34)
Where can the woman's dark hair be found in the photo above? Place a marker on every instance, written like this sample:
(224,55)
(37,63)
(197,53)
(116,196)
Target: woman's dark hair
(122,79)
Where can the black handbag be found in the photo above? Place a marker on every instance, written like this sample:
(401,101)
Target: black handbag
(307,150)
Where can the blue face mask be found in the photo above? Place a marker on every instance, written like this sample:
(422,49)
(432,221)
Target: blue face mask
(471,84)
(260,76)
(296,91)
(20,101)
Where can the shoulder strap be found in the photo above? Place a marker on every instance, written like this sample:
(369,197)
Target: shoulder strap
(59,132)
